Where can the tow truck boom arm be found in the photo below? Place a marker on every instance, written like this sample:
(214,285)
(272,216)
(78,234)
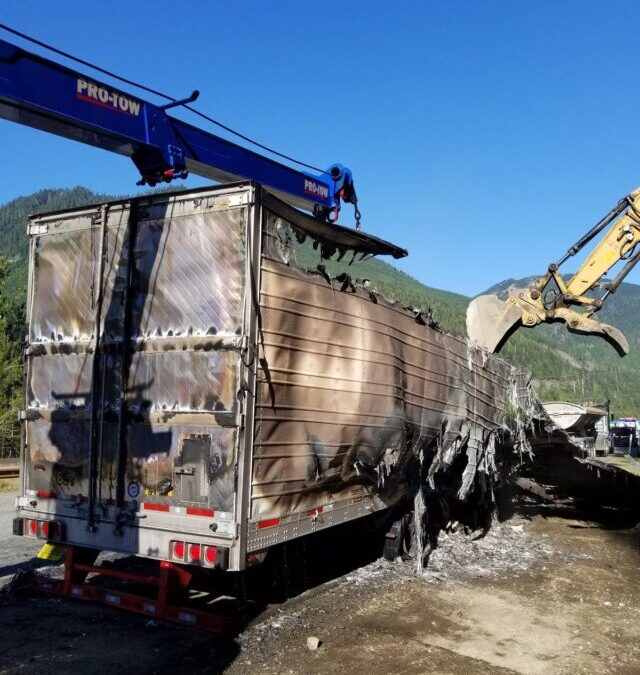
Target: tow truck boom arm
(45,95)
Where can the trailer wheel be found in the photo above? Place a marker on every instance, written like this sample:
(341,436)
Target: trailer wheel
(396,542)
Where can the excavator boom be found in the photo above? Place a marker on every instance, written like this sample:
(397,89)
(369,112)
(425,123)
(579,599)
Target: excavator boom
(551,298)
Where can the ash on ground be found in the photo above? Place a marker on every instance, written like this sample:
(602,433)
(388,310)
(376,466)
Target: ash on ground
(465,554)
(507,548)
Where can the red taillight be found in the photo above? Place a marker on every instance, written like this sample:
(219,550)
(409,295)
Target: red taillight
(177,550)
(49,529)
(194,552)
(210,554)
(33,527)
(197,554)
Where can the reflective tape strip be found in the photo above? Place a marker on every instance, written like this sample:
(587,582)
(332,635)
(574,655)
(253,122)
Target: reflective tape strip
(200,512)
(271,522)
(186,511)
(148,506)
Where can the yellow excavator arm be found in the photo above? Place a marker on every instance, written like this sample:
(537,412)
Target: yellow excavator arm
(491,321)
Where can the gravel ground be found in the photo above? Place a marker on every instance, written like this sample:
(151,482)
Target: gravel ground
(545,593)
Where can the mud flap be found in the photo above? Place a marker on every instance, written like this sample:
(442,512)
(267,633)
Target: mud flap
(53,552)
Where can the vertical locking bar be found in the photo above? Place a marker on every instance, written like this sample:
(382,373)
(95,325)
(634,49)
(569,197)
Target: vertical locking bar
(95,371)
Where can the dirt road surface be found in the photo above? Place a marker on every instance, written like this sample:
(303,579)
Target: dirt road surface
(545,592)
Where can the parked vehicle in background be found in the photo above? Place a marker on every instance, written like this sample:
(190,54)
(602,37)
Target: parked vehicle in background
(603,444)
(625,434)
(586,424)
(631,422)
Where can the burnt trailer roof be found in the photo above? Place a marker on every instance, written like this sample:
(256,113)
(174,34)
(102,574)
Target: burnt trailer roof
(344,237)
(341,236)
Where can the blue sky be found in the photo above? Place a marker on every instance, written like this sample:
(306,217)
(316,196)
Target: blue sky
(485,137)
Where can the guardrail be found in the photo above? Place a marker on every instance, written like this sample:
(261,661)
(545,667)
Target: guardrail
(9,469)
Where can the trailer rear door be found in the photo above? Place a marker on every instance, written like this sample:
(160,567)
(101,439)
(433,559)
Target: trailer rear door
(133,363)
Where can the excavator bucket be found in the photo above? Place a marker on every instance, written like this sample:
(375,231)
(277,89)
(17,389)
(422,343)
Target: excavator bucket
(491,321)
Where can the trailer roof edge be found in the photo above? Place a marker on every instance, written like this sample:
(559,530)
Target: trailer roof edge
(341,235)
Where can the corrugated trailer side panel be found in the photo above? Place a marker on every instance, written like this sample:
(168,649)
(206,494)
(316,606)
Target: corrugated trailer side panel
(349,387)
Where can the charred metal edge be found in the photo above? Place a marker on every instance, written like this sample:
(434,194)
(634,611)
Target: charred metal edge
(221,418)
(343,236)
(151,344)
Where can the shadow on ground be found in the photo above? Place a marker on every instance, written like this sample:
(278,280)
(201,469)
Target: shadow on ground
(67,636)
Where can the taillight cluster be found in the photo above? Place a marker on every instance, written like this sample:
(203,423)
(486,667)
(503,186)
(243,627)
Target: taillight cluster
(195,554)
(43,529)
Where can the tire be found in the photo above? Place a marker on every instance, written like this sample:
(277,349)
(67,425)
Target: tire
(393,542)
(398,539)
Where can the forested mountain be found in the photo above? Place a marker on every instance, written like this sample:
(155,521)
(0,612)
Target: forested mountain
(13,225)
(565,366)
(14,214)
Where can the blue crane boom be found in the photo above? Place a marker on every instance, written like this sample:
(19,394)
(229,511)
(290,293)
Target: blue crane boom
(46,95)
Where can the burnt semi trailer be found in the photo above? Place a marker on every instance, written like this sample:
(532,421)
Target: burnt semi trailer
(196,394)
